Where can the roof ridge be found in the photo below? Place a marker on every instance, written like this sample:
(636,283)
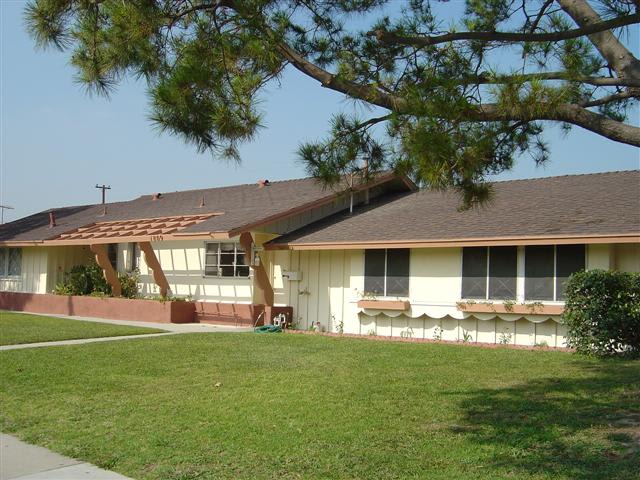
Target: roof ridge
(565,176)
(231,186)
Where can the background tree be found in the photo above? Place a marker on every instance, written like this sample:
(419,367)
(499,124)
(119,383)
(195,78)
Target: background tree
(458,102)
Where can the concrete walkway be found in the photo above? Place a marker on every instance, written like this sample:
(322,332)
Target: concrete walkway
(171,329)
(21,461)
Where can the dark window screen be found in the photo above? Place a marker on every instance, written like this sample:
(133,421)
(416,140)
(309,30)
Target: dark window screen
(398,272)
(503,267)
(112,253)
(374,271)
(538,272)
(569,259)
(474,272)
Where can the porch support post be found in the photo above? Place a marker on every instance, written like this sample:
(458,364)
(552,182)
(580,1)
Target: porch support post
(110,275)
(153,263)
(260,276)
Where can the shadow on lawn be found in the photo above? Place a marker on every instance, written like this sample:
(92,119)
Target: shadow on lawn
(584,428)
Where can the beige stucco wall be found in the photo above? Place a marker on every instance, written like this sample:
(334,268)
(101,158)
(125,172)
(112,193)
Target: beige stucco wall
(332,281)
(627,257)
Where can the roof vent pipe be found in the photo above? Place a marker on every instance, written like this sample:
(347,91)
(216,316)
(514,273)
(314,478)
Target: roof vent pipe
(52,219)
(201,202)
(351,193)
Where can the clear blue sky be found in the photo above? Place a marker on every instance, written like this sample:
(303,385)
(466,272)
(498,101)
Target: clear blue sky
(57,142)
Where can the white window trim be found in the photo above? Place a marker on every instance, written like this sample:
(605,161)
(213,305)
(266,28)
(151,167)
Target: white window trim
(5,273)
(384,296)
(218,265)
(520,276)
(555,300)
(488,278)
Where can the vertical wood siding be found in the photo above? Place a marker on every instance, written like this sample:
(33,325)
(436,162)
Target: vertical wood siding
(331,280)
(183,265)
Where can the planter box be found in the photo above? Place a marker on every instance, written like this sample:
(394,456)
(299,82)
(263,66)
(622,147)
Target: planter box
(100,307)
(401,305)
(517,308)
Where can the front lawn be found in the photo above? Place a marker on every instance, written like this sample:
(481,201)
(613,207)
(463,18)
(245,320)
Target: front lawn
(16,328)
(209,406)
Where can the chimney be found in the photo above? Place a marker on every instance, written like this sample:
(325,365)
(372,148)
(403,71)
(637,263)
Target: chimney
(156,196)
(263,183)
(52,219)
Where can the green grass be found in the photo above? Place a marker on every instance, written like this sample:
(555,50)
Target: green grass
(16,328)
(303,406)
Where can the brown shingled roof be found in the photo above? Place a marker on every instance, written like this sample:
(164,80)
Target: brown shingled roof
(228,209)
(566,207)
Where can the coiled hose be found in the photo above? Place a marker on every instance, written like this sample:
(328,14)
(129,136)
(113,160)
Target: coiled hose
(268,329)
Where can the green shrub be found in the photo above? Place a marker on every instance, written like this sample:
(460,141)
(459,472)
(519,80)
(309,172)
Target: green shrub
(602,313)
(62,289)
(83,280)
(129,284)
(89,280)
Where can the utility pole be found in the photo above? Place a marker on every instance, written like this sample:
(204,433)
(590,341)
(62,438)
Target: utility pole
(2,209)
(103,188)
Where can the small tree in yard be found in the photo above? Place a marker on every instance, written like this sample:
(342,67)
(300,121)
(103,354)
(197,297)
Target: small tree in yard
(602,313)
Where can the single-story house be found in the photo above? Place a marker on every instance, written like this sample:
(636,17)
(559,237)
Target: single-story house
(401,262)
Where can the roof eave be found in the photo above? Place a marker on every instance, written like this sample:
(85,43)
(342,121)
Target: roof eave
(460,242)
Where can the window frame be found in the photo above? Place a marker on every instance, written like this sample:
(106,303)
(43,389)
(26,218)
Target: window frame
(487,276)
(6,253)
(385,292)
(133,257)
(555,296)
(237,250)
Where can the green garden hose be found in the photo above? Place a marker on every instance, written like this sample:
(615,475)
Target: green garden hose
(268,329)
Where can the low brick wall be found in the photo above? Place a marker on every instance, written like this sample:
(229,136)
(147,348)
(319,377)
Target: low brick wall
(142,310)
(100,307)
(239,314)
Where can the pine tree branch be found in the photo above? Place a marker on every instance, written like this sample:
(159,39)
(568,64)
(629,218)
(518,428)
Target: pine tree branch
(612,50)
(597,81)
(506,37)
(615,97)
(568,113)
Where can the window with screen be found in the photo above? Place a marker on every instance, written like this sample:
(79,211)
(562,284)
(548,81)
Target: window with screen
(539,271)
(386,272)
(569,259)
(133,254)
(489,273)
(10,262)
(503,270)
(547,269)
(112,253)
(474,273)
(225,260)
